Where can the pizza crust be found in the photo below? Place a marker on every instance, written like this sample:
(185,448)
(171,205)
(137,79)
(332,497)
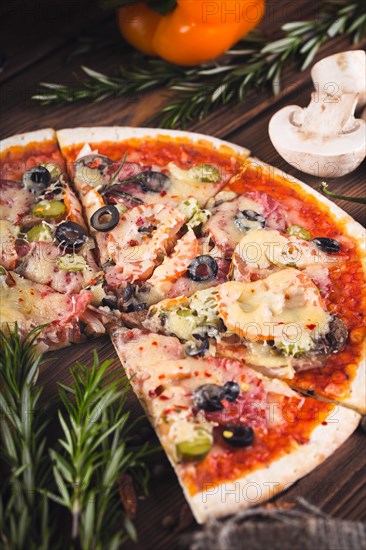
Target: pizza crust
(74,136)
(263,484)
(38,136)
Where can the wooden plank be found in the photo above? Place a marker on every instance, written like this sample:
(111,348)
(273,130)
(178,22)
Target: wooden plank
(337,489)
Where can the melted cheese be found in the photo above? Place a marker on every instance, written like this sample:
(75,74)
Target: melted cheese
(262,249)
(285,307)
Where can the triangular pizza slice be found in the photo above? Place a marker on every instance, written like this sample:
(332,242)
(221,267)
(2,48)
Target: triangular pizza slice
(233,436)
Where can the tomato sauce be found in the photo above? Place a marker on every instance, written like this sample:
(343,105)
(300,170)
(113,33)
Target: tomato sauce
(271,442)
(15,160)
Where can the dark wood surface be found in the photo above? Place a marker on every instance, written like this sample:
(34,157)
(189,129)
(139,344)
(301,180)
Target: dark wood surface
(37,40)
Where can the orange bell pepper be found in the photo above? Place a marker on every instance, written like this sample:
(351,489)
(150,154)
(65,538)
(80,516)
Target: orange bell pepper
(195,31)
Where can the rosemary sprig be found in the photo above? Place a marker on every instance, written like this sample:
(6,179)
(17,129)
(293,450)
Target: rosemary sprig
(24,511)
(254,63)
(81,472)
(323,187)
(94,454)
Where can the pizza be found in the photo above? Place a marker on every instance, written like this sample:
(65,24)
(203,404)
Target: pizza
(234,295)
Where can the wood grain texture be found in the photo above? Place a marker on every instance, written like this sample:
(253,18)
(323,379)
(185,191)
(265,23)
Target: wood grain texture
(338,485)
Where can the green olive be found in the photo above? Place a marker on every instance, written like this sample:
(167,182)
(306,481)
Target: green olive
(49,209)
(40,232)
(196,448)
(71,262)
(205,173)
(3,271)
(53,169)
(298,231)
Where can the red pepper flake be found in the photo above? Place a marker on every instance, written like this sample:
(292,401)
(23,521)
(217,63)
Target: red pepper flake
(324,423)
(311,326)
(154,343)
(140,220)
(141,348)
(161,377)
(133,242)
(163,397)
(162,193)
(208,374)
(196,373)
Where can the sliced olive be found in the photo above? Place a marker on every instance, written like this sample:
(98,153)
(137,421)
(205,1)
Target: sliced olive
(40,232)
(299,232)
(53,169)
(147,229)
(231,391)
(203,268)
(238,435)
(49,209)
(71,262)
(37,179)
(110,215)
(197,350)
(326,244)
(153,181)
(203,332)
(71,235)
(208,397)
(197,448)
(205,173)
(249,219)
(92,168)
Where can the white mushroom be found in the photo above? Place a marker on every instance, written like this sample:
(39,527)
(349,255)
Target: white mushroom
(341,73)
(323,139)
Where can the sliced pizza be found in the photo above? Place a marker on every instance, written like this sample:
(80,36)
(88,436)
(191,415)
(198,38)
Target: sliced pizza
(63,317)
(233,436)
(42,231)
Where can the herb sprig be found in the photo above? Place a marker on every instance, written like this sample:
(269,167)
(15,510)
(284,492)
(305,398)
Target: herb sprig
(94,455)
(81,472)
(24,512)
(323,187)
(252,64)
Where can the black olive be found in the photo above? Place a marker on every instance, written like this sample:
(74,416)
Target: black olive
(71,234)
(153,181)
(112,215)
(111,303)
(194,350)
(203,268)
(326,244)
(203,332)
(208,397)
(37,179)
(249,219)
(147,229)
(238,435)
(231,391)
(337,336)
(128,292)
(101,162)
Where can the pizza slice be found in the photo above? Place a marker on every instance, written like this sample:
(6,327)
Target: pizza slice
(233,436)
(42,231)
(64,318)
(138,189)
(279,325)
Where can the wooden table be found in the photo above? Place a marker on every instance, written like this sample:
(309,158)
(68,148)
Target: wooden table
(38,38)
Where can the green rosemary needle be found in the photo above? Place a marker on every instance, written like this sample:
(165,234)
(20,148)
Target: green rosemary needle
(324,189)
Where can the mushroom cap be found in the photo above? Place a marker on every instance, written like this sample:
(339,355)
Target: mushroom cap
(317,154)
(340,73)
